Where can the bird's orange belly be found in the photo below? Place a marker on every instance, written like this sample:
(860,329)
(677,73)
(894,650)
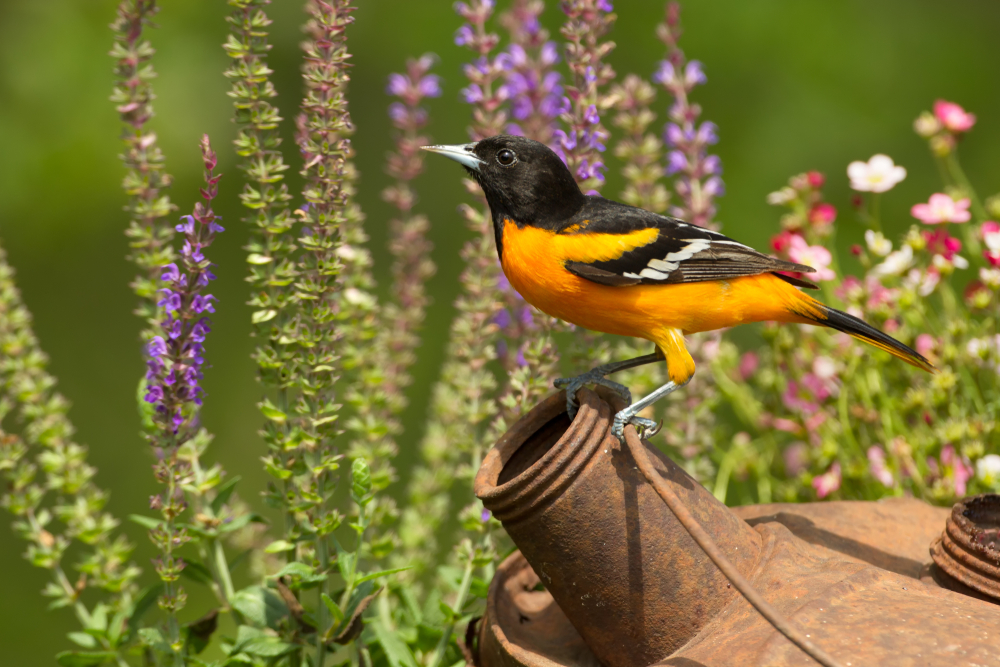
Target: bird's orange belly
(534,263)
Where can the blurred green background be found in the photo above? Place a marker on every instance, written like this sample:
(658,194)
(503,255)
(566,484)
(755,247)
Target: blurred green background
(793,85)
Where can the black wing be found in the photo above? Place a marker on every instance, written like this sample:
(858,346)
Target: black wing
(680,253)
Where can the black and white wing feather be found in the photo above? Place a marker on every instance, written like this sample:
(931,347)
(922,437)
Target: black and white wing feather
(680,253)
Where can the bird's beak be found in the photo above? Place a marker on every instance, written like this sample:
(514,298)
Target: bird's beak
(462,153)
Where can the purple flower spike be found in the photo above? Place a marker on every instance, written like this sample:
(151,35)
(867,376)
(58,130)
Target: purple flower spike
(693,74)
(174,357)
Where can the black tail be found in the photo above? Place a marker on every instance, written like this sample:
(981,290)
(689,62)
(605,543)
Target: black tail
(861,330)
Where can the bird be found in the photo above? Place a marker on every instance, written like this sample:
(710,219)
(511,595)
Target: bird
(618,269)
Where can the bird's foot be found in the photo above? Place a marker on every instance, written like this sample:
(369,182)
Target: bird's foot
(573,384)
(645,428)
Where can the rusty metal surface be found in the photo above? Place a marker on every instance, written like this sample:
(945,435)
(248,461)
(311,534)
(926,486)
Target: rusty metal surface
(602,541)
(969,548)
(846,572)
(892,533)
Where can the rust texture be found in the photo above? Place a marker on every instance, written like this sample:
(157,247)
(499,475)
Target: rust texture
(853,575)
(602,541)
(969,548)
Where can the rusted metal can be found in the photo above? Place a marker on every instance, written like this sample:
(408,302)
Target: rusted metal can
(606,574)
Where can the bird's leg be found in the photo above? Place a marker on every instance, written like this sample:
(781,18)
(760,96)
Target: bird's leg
(596,376)
(647,426)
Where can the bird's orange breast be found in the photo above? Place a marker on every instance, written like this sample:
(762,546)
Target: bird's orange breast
(534,262)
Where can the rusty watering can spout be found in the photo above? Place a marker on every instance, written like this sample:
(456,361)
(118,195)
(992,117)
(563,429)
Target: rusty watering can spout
(623,569)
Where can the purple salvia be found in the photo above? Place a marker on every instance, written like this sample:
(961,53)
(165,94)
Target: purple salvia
(697,181)
(535,88)
(175,356)
(484,73)
(581,143)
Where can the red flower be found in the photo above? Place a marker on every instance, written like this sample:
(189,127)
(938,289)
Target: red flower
(822,214)
(816,179)
(940,243)
(782,241)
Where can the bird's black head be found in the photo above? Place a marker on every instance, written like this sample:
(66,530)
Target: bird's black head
(523,179)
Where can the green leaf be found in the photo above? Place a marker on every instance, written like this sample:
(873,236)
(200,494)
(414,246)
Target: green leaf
(240,522)
(479,588)
(85,658)
(196,572)
(146,599)
(361,481)
(99,618)
(345,563)
(82,639)
(382,573)
(338,616)
(278,546)
(273,470)
(153,637)
(269,410)
(257,258)
(303,576)
(223,493)
(260,316)
(396,651)
(267,647)
(260,606)
(145,521)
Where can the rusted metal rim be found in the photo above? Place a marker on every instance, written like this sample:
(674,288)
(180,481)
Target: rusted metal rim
(969,548)
(544,468)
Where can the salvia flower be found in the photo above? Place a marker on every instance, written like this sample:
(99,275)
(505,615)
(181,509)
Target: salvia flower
(953,117)
(535,88)
(879,174)
(941,208)
(583,139)
(176,356)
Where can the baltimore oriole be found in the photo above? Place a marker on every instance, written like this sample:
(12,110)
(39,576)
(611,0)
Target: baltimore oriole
(610,267)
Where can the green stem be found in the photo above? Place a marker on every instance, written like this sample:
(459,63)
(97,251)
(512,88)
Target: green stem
(874,215)
(959,175)
(463,593)
(323,551)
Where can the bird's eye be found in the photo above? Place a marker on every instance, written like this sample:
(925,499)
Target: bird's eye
(506,157)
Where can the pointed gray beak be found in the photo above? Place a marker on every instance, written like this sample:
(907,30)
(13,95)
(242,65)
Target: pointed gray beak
(462,153)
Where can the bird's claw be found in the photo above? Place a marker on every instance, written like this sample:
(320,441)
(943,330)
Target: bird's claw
(645,428)
(573,385)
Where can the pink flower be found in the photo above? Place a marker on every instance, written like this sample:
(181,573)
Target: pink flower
(990,231)
(876,465)
(795,458)
(797,398)
(828,482)
(816,179)
(942,208)
(993,257)
(748,365)
(953,117)
(822,214)
(850,288)
(925,344)
(957,468)
(816,256)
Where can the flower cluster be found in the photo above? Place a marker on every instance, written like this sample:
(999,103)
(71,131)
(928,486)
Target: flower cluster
(944,127)
(483,93)
(176,356)
(532,83)
(807,223)
(698,182)
(145,178)
(580,145)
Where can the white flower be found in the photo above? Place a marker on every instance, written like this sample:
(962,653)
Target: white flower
(878,243)
(782,196)
(942,263)
(895,263)
(988,469)
(879,174)
(990,277)
(924,282)
(978,347)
